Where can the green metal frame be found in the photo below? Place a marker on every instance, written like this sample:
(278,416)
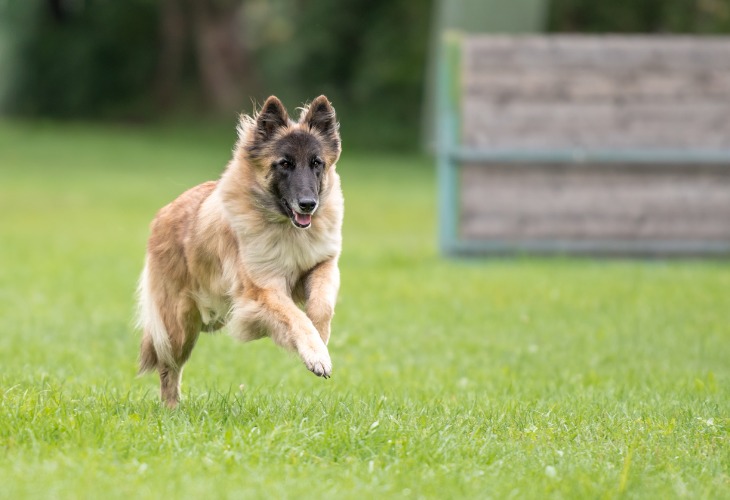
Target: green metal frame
(448,139)
(451,155)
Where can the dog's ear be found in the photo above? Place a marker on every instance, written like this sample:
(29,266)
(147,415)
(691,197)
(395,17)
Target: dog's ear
(320,116)
(271,118)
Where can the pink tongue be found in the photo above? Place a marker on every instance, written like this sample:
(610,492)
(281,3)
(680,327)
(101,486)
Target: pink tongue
(303,219)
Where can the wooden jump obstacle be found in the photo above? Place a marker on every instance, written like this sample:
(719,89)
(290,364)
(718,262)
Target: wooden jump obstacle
(599,145)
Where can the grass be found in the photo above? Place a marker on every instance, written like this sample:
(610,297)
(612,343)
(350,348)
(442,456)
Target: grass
(526,378)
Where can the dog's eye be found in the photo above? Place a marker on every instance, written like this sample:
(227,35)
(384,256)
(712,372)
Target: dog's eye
(286,164)
(316,163)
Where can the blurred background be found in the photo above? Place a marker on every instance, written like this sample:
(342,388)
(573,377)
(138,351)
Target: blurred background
(153,60)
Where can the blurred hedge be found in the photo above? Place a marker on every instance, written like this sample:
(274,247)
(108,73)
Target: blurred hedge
(84,62)
(109,59)
(147,59)
(640,16)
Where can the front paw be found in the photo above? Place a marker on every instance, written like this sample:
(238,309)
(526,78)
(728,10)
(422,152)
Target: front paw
(317,360)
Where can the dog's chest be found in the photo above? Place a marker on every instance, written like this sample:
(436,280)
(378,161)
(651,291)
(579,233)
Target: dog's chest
(289,254)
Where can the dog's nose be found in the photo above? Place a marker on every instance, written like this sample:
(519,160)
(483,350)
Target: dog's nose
(307,205)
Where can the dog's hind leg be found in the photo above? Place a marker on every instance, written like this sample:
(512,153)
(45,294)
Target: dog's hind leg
(171,325)
(171,375)
(183,332)
(170,379)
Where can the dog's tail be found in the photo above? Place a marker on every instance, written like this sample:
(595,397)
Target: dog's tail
(155,348)
(147,356)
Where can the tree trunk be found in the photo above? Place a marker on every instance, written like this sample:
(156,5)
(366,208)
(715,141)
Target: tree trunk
(220,54)
(172,53)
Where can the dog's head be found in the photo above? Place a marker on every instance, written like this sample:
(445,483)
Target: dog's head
(292,160)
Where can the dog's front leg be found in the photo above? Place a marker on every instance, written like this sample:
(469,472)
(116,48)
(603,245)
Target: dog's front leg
(322,285)
(271,307)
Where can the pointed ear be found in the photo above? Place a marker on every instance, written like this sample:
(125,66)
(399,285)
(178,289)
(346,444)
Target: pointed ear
(320,116)
(271,118)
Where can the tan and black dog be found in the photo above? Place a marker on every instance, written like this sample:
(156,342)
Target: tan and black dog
(255,251)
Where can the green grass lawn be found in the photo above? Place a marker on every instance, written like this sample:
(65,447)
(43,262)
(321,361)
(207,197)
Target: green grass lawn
(491,378)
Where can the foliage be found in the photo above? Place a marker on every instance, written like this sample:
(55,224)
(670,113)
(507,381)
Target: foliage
(369,56)
(640,16)
(473,379)
(102,59)
(95,61)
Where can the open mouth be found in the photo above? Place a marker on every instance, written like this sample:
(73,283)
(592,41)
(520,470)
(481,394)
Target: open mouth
(300,220)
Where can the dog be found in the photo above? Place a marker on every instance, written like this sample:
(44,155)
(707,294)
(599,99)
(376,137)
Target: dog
(256,251)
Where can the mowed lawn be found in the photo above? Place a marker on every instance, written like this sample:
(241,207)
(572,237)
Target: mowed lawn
(482,378)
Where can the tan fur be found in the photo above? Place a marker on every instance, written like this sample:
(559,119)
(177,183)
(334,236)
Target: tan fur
(216,257)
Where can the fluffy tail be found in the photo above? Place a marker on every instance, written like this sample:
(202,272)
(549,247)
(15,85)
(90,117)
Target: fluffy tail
(147,356)
(155,348)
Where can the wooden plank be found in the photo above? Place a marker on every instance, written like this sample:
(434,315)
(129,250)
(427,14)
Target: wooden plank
(602,125)
(493,52)
(606,202)
(583,92)
(581,84)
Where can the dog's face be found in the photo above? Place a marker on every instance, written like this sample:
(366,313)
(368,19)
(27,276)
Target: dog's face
(294,158)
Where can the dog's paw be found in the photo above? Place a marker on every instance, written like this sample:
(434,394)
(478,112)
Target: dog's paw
(317,361)
(322,368)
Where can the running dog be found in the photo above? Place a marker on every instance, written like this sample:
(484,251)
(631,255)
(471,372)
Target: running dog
(255,251)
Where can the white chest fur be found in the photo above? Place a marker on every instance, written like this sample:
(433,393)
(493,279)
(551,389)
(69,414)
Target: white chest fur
(287,252)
